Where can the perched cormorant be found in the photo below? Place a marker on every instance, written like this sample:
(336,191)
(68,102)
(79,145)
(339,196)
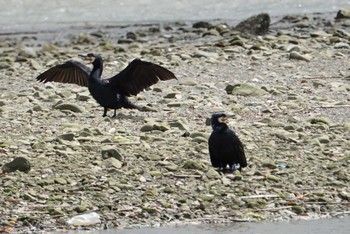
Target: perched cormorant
(225,148)
(110,93)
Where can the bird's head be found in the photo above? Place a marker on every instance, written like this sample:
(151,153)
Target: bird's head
(218,118)
(95,59)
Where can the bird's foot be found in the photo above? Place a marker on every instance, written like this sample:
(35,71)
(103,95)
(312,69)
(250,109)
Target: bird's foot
(115,113)
(235,167)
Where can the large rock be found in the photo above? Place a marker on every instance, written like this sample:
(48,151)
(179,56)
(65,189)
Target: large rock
(19,163)
(257,24)
(343,14)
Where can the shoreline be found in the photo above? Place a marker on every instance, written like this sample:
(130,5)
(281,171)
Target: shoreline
(294,126)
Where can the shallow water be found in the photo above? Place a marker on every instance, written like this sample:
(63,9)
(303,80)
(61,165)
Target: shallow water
(321,226)
(36,15)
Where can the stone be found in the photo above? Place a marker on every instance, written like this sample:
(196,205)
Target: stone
(192,164)
(19,163)
(67,136)
(343,14)
(213,174)
(112,162)
(69,106)
(257,24)
(298,209)
(147,127)
(179,124)
(244,90)
(60,181)
(202,24)
(324,139)
(111,152)
(298,56)
(273,178)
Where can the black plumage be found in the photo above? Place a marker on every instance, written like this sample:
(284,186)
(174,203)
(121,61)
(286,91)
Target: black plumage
(225,148)
(110,93)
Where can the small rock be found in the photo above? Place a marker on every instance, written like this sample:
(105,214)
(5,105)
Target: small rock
(298,209)
(245,90)
(179,124)
(191,164)
(113,162)
(66,137)
(202,24)
(28,52)
(111,152)
(161,127)
(320,120)
(60,181)
(147,127)
(69,106)
(200,140)
(324,139)
(213,174)
(298,56)
(273,178)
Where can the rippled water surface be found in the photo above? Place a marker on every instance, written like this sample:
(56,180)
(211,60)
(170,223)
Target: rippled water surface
(321,226)
(32,15)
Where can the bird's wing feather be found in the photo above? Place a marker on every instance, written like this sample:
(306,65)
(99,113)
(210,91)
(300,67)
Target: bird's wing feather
(238,149)
(213,152)
(139,75)
(72,72)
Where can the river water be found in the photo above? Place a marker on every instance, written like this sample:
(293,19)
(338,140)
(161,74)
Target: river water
(25,16)
(38,15)
(321,226)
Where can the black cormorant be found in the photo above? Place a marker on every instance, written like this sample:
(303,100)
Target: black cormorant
(225,148)
(110,93)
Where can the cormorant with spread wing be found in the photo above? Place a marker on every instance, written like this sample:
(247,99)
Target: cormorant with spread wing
(110,93)
(225,148)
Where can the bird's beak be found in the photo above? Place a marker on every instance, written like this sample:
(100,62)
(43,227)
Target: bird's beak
(224,119)
(87,58)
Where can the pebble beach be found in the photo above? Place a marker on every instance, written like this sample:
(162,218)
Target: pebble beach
(287,89)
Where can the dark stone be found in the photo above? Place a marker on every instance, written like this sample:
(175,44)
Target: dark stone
(19,163)
(131,36)
(202,24)
(258,24)
(125,41)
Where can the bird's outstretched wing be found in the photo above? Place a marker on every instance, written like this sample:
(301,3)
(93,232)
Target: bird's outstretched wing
(72,72)
(139,75)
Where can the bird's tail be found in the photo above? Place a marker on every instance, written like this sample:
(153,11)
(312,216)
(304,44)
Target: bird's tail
(128,105)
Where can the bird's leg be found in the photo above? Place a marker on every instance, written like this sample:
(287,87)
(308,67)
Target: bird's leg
(115,113)
(104,112)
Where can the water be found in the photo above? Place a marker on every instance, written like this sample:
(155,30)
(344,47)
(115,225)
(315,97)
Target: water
(321,226)
(37,15)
